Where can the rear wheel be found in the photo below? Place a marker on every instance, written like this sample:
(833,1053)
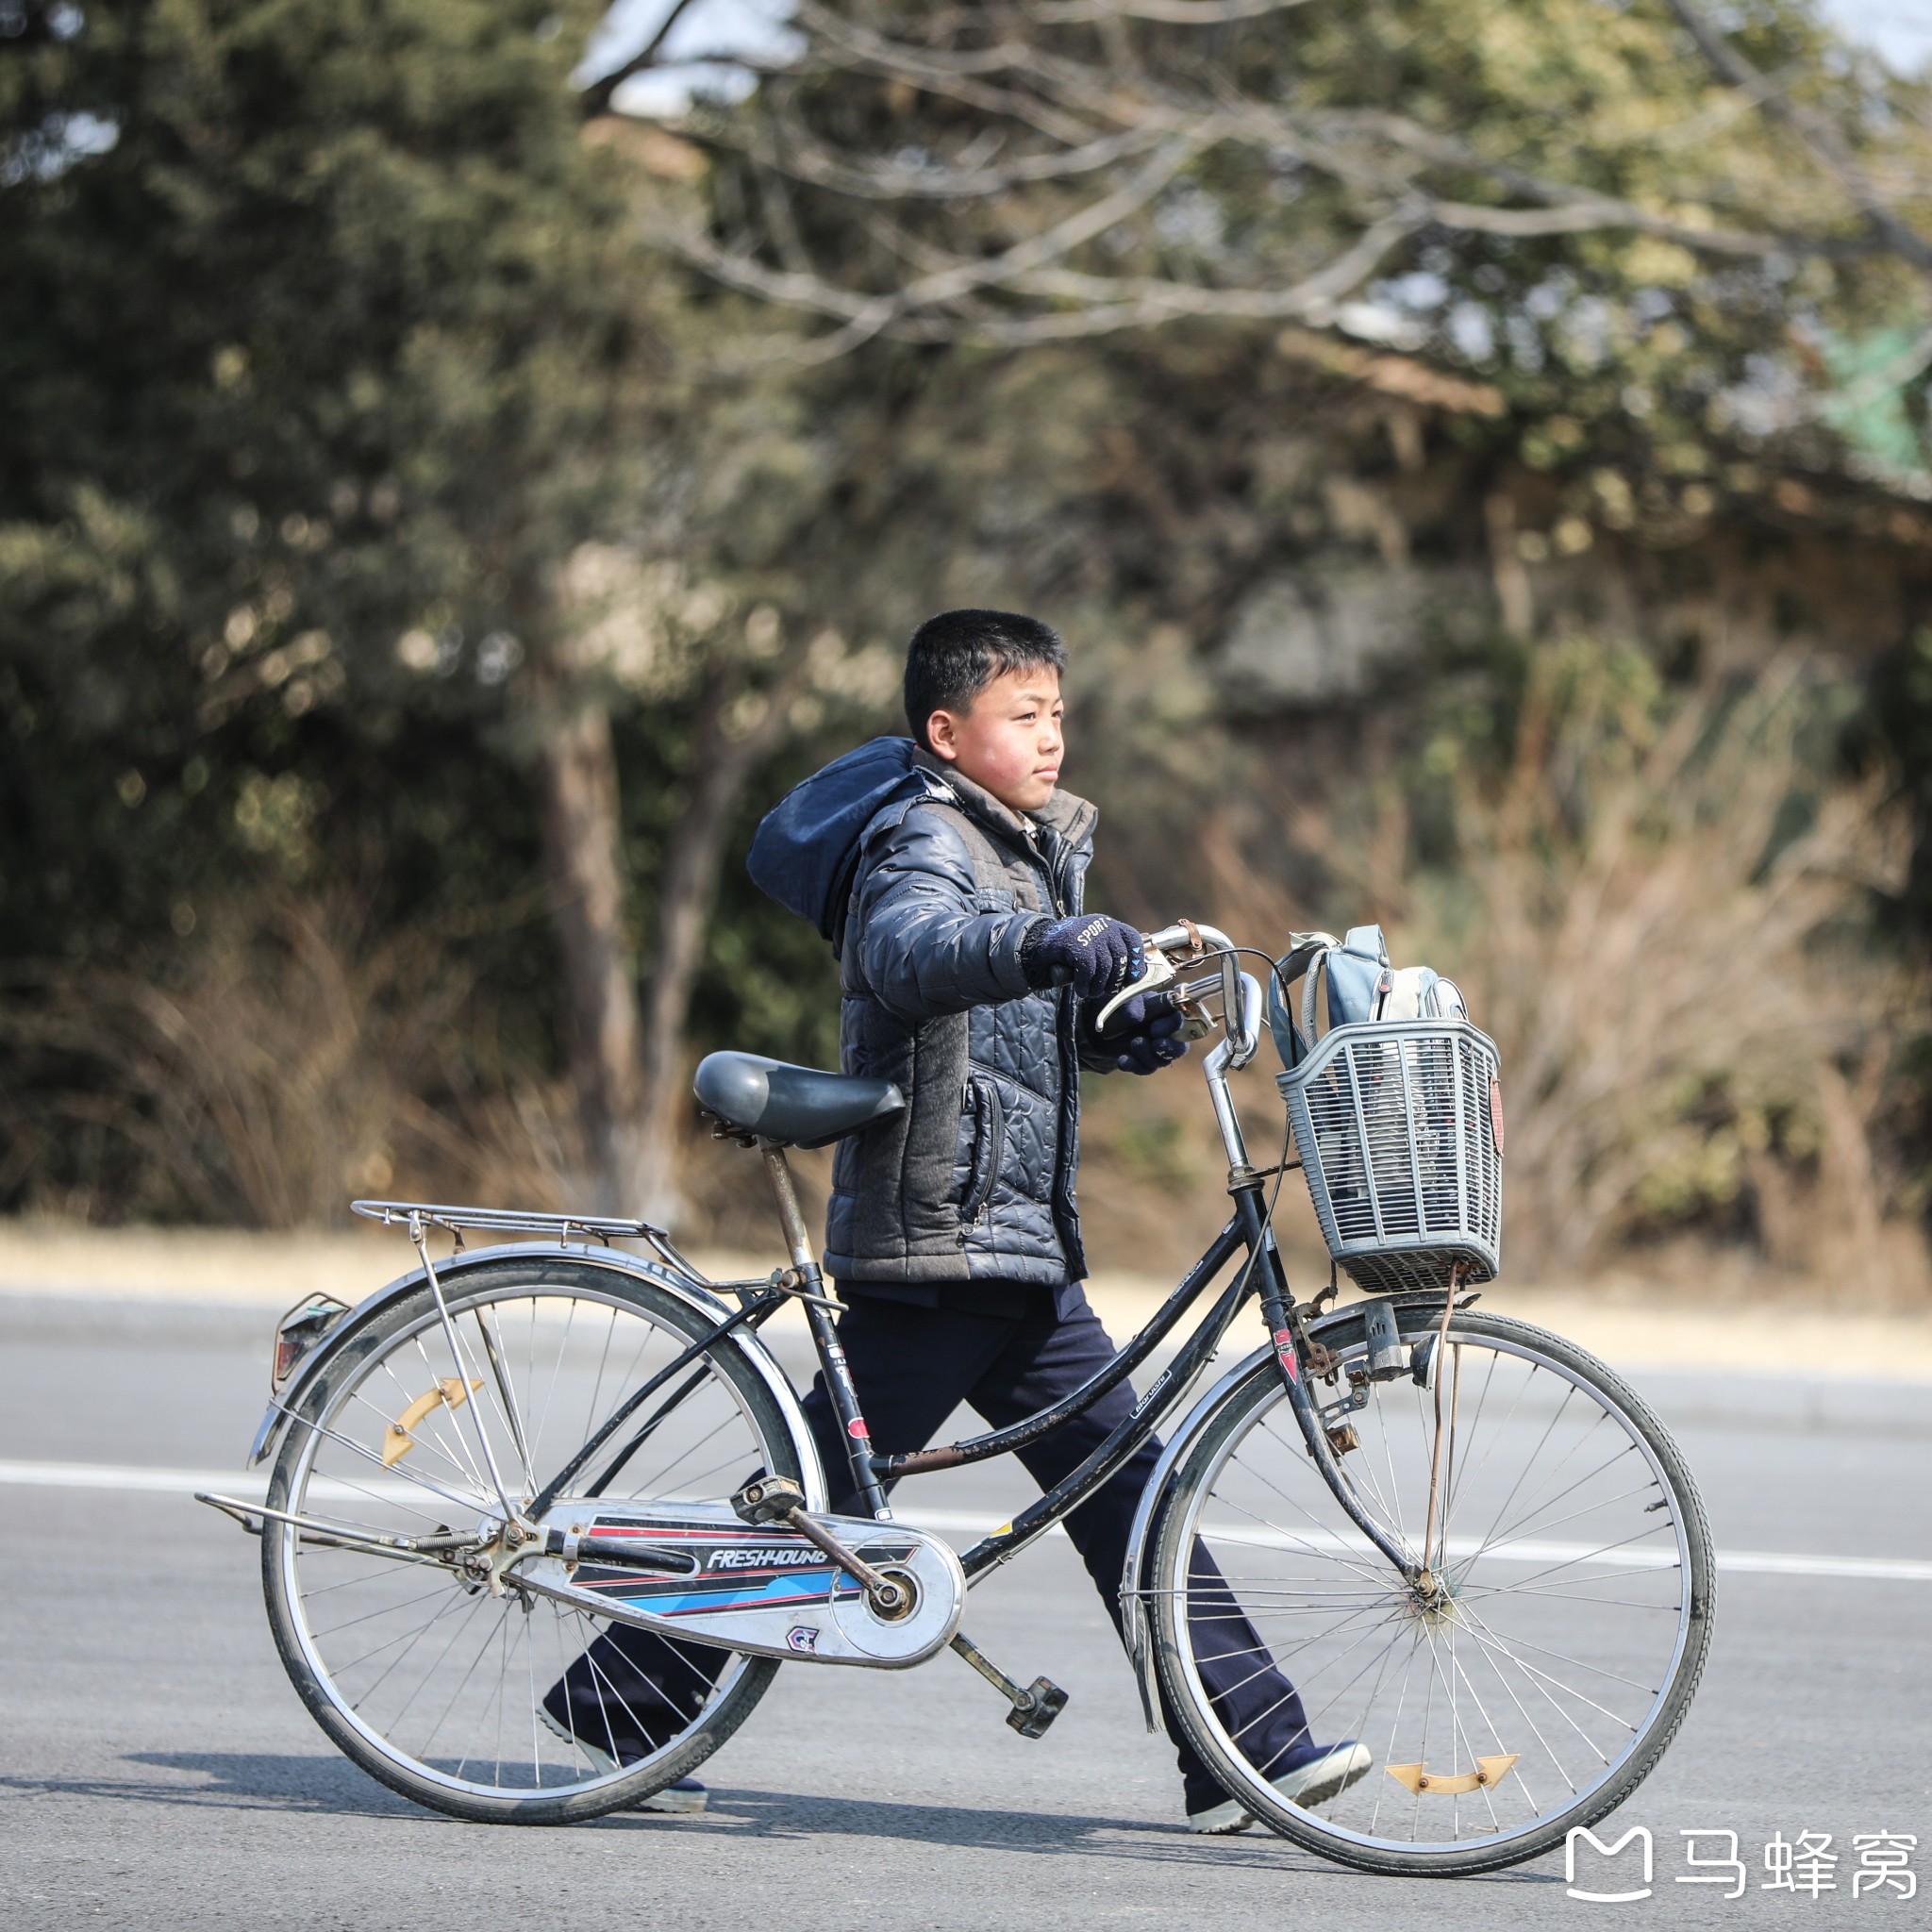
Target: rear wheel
(1523,1684)
(511,1708)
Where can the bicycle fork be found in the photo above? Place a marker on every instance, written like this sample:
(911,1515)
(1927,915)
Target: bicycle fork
(1033,1706)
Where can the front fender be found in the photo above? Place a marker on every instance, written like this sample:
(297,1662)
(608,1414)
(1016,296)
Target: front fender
(699,1299)
(1338,1329)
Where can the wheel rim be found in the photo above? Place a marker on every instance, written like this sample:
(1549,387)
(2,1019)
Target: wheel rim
(1567,1606)
(443,1679)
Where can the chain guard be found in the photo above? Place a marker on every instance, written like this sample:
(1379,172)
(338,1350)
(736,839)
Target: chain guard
(757,1588)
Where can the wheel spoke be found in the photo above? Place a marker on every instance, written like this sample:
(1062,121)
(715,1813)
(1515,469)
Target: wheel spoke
(1490,1686)
(448,1686)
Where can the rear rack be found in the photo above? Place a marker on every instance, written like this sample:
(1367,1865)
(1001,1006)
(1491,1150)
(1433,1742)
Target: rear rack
(563,1228)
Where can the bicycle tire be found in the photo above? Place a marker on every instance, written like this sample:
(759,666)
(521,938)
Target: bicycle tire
(1212,1467)
(317,1451)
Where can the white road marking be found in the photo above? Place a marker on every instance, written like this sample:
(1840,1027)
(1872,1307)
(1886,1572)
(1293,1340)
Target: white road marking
(249,1485)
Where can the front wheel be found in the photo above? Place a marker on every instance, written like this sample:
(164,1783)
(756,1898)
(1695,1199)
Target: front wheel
(499,1706)
(1523,1683)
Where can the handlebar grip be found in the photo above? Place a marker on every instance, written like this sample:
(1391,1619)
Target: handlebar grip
(1062,975)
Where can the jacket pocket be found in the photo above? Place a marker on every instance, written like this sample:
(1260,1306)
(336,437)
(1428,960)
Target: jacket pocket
(989,1146)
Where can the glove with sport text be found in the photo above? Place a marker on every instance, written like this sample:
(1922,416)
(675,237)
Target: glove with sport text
(1090,953)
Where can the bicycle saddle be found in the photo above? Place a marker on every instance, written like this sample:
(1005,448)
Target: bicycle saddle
(796,1104)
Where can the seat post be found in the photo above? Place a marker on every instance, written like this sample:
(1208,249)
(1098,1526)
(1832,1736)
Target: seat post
(790,1217)
(858,1438)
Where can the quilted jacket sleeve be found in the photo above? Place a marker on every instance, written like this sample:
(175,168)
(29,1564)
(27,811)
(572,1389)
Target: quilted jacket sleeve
(925,947)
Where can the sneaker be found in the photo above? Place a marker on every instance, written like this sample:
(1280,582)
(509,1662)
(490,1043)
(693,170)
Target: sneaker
(682,1798)
(1329,1771)
(1326,1772)
(1221,1820)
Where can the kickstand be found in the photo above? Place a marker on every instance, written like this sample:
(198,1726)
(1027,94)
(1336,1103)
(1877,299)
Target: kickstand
(1034,1709)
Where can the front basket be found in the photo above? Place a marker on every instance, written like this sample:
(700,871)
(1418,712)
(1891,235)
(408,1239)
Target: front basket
(1395,1124)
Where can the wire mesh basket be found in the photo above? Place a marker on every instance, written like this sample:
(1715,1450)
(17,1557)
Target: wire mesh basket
(1398,1124)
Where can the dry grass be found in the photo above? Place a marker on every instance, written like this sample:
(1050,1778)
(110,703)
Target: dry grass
(1660,914)
(287,1060)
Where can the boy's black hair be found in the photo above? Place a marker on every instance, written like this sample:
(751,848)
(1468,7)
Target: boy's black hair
(954,656)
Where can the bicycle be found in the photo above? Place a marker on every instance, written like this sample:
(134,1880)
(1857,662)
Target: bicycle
(1464,1540)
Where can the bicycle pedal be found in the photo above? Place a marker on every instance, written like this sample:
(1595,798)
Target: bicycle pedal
(1045,1700)
(768,1499)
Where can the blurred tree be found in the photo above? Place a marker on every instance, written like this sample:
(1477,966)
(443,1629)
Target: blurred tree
(370,499)
(1645,270)
(1581,204)
(337,387)
(1024,172)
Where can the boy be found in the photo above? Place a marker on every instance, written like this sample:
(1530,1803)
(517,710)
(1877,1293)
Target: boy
(948,874)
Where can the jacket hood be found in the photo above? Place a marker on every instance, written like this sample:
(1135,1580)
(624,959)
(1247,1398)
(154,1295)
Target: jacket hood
(806,848)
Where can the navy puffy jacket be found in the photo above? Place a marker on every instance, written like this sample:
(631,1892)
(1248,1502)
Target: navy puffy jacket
(974,1180)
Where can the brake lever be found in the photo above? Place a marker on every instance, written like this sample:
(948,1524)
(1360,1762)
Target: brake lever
(1158,972)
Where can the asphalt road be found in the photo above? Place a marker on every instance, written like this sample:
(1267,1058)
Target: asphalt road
(158,1771)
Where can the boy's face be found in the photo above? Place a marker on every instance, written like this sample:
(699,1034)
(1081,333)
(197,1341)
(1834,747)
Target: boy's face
(1009,739)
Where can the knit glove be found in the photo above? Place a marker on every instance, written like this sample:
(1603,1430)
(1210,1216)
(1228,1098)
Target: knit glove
(1141,1036)
(1090,953)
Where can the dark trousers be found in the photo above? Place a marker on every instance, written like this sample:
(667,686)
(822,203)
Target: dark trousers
(912,1366)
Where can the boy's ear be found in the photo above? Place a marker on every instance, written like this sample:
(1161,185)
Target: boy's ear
(942,736)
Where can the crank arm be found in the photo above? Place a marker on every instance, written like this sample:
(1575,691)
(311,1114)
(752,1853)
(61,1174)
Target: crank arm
(1035,1706)
(778,1499)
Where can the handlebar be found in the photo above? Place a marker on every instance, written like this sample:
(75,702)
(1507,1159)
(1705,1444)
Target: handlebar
(1241,995)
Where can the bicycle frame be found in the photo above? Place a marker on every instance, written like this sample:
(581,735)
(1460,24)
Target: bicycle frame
(1247,1232)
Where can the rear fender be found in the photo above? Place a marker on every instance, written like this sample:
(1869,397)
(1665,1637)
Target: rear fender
(1339,1329)
(707,1307)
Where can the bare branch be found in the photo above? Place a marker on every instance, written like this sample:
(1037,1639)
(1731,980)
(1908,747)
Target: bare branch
(1147,302)
(1565,210)
(1137,127)
(1821,139)
(789,288)
(865,316)
(1109,304)
(1309,296)
(1576,210)
(1393,376)
(970,92)
(1587,215)
(900,57)
(596,97)
(802,156)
